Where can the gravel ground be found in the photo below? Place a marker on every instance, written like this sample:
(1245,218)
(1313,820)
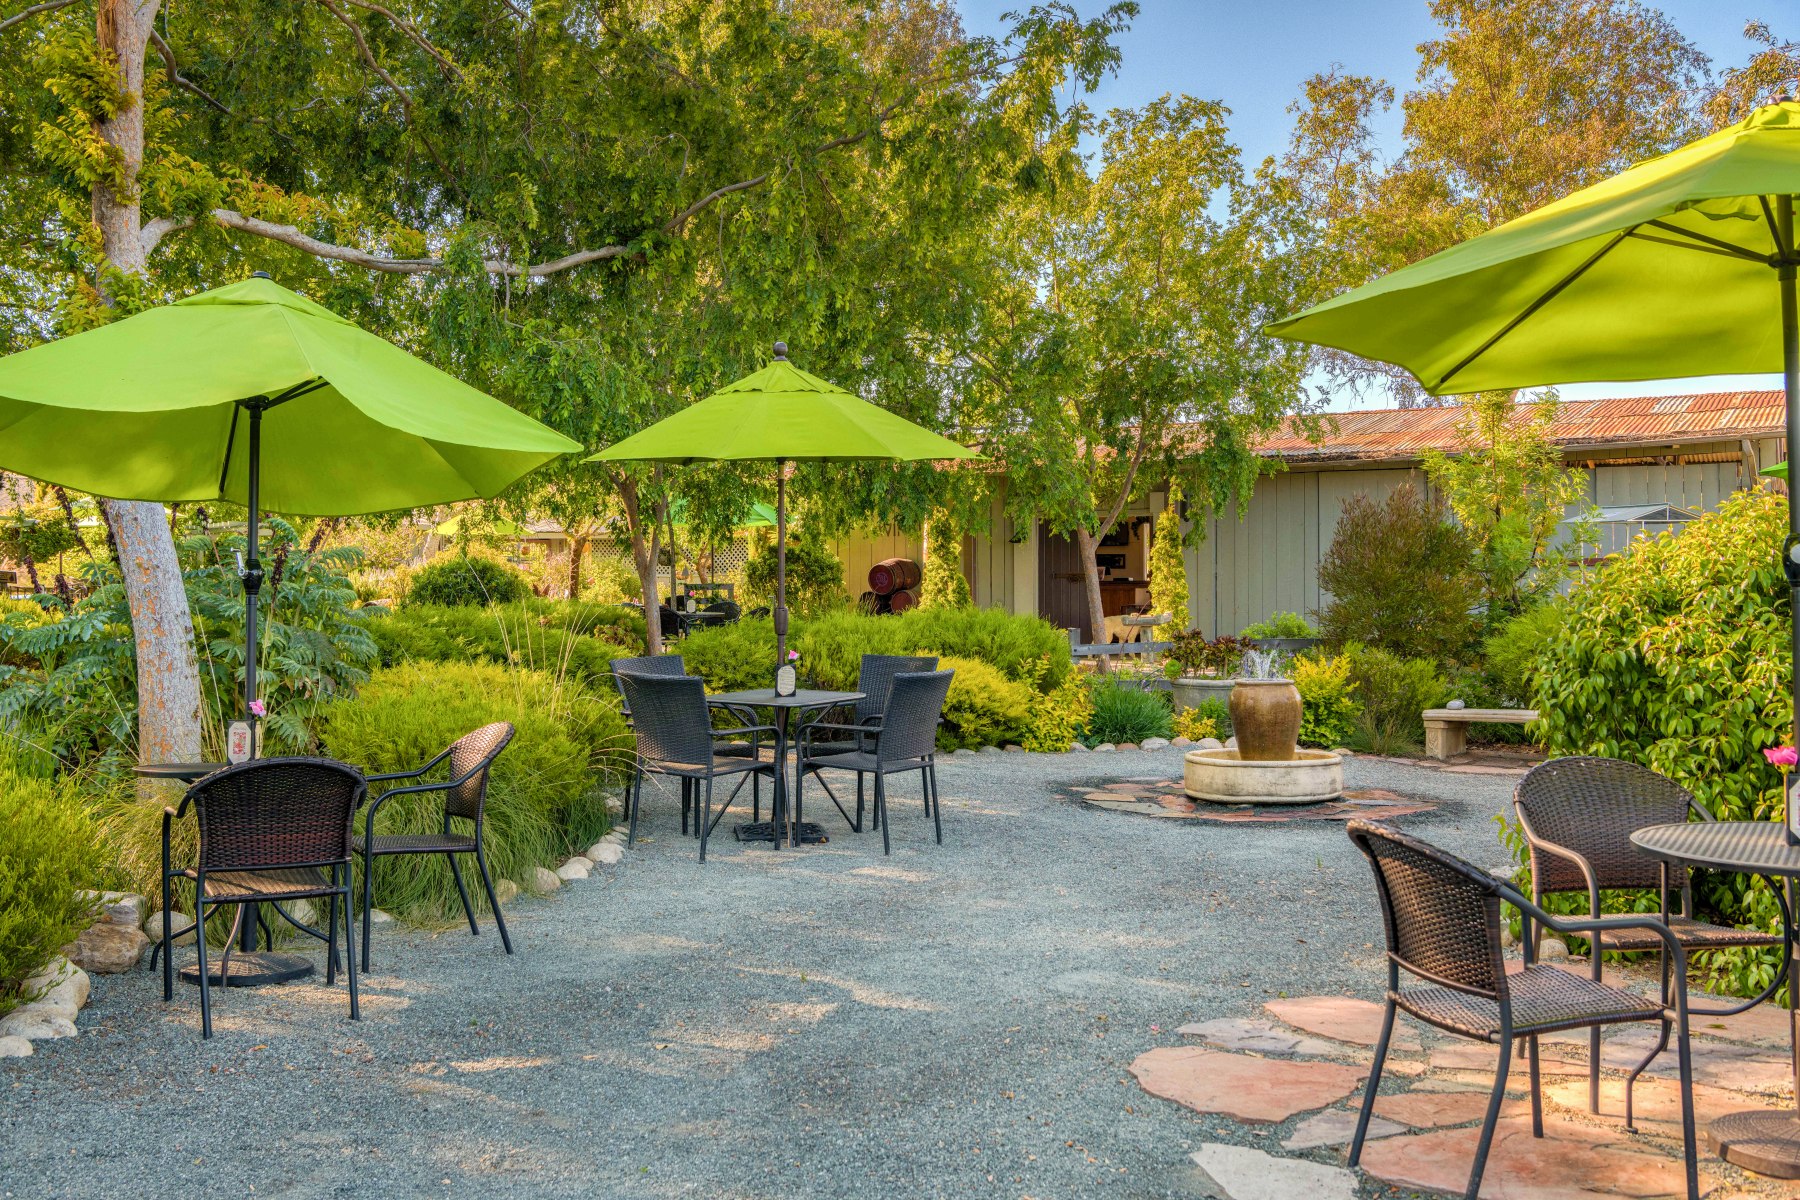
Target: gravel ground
(951,1021)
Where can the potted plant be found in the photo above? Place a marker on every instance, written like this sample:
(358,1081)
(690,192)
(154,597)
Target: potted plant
(1200,669)
(1283,631)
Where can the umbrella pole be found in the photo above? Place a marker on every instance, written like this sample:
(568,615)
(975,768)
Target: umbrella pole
(253,572)
(781,616)
(1790,369)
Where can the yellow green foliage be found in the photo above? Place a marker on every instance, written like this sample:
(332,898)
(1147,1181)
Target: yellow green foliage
(1193,725)
(1328,709)
(984,707)
(51,852)
(1061,717)
(1168,573)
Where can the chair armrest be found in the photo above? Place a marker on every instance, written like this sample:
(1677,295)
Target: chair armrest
(1562,852)
(375,804)
(441,756)
(1588,925)
(169,816)
(719,733)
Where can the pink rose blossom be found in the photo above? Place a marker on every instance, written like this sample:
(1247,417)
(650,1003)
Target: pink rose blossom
(793,654)
(1782,756)
(256,708)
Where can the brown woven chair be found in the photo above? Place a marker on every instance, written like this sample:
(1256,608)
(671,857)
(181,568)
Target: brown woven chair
(905,740)
(1442,921)
(874,679)
(465,799)
(271,830)
(675,737)
(1578,815)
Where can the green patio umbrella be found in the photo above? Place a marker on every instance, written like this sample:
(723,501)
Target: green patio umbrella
(782,414)
(175,403)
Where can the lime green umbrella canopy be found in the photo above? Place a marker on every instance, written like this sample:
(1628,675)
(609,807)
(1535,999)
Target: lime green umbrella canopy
(1663,271)
(782,413)
(147,408)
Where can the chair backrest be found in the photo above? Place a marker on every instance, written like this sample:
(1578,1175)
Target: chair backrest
(877,673)
(647,664)
(909,727)
(1592,806)
(473,755)
(728,608)
(669,716)
(276,812)
(1442,915)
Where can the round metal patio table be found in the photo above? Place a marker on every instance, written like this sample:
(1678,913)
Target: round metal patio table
(249,967)
(786,825)
(1766,1141)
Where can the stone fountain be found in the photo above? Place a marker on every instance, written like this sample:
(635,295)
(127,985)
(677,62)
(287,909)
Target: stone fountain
(1268,766)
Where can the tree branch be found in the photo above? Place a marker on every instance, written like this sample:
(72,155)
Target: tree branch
(374,64)
(34,10)
(410,30)
(176,78)
(153,232)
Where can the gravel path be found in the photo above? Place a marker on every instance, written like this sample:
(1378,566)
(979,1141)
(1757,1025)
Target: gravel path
(951,1021)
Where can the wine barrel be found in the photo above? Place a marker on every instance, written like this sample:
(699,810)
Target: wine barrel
(902,600)
(892,575)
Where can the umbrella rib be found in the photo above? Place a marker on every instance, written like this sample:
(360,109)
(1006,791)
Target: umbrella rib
(230,441)
(1720,245)
(1530,309)
(1741,255)
(1781,245)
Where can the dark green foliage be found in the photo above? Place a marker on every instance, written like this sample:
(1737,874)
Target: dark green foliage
(735,657)
(69,673)
(1511,652)
(51,851)
(815,576)
(1280,625)
(1400,578)
(1195,654)
(547,797)
(466,579)
(1127,714)
(1394,692)
(984,707)
(541,635)
(1676,656)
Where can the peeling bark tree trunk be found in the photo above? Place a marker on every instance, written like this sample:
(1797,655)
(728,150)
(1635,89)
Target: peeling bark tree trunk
(1089,545)
(168,675)
(644,551)
(577,548)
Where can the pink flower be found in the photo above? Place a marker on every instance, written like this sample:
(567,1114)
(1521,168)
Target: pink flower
(256,708)
(793,655)
(1782,756)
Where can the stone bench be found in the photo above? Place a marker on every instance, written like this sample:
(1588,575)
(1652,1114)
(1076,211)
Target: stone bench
(1447,729)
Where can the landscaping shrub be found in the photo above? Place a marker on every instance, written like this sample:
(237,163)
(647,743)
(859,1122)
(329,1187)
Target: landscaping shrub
(1215,711)
(467,579)
(1329,710)
(1127,714)
(1188,723)
(1280,625)
(734,657)
(1511,652)
(1168,567)
(536,636)
(1676,656)
(546,798)
(1394,692)
(1058,719)
(944,585)
(51,850)
(1400,577)
(1025,649)
(815,576)
(1190,652)
(984,707)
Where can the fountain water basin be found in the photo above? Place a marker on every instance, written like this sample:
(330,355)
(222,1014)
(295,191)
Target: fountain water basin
(1221,777)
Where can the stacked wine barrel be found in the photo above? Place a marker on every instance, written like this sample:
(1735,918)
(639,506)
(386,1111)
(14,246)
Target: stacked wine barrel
(893,586)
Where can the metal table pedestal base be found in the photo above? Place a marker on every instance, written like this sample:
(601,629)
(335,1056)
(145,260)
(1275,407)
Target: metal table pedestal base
(1763,1140)
(250,969)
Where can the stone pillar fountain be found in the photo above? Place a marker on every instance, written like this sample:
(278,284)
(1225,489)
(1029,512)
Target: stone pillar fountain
(1268,766)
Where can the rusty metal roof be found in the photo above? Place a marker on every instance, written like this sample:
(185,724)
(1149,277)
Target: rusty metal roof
(1406,433)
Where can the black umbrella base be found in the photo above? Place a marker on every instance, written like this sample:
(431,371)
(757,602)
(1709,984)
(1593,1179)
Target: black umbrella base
(809,833)
(257,969)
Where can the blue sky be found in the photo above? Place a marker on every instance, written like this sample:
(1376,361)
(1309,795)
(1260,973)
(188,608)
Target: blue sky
(1254,55)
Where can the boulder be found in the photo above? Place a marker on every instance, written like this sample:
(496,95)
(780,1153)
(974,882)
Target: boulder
(1180,741)
(377,917)
(609,853)
(106,949)
(35,1024)
(1231,743)
(1153,743)
(576,868)
(179,923)
(1078,748)
(543,880)
(119,908)
(1128,745)
(1209,744)
(989,750)
(962,750)
(505,890)
(13,1046)
(1012,748)
(1104,747)
(60,989)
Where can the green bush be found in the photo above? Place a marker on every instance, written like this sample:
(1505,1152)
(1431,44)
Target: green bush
(537,635)
(547,793)
(1059,718)
(944,585)
(1280,625)
(1025,649)
(1218,712)
(1395,692)
(815,576)
(1511,652)
(1329,710)
(1676,656)
(1127,714)
(1400,576)
(52,850)
(984,707)
(467,579)
(738,656)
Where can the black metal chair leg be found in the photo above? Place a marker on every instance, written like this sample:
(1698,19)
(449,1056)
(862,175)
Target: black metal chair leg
(634,797)
(368,903)
(1493,1116)
(887,846)
(756,796)
(237,925)
(487,882)
(859,803)
(1662,1041)
(205,987)
(1685,1060)
(937,802)
(1537,1099)
(468,909)
(684,807)
(705,816)
(1374,1086)
(167,945)
(349,959)
(331,937)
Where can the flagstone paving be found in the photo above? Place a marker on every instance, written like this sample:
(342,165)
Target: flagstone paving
(1159,797)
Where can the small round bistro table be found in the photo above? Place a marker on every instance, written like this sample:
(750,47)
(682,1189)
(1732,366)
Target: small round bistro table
(247,967)
(786,825)
(1766,1141)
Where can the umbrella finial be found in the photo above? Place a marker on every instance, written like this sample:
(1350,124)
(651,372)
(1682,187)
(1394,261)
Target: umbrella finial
(780,351)
(261,275)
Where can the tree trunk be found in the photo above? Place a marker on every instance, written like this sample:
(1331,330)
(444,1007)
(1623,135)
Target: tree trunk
(577,547)
(1089,545)
(643,556)
(168,675)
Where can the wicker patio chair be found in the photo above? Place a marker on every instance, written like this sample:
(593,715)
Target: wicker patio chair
(874,679)
(672,664)
(465,789)
(675,737)
(1442,920)
(271,830)
(1578,815)
(905,740)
